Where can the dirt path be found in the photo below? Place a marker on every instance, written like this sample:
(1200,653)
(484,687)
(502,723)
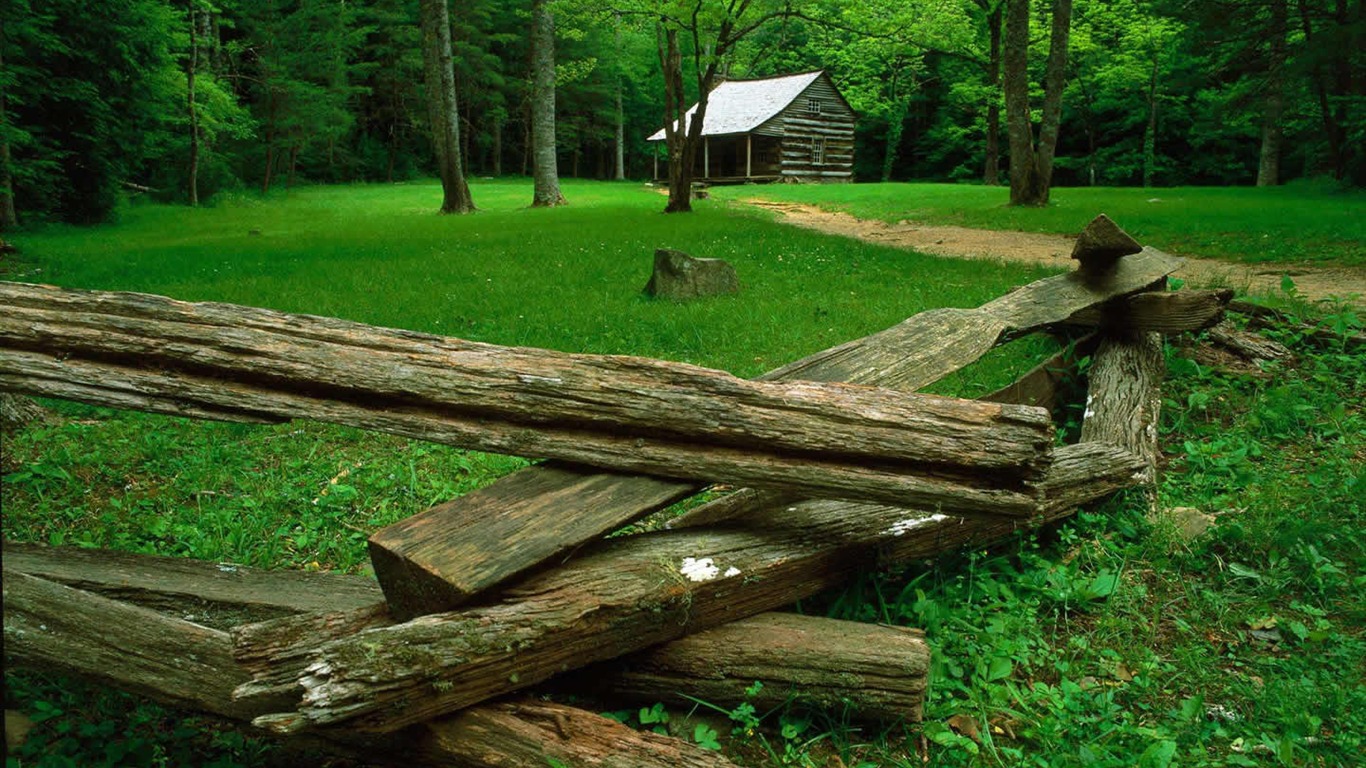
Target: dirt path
(1054,251)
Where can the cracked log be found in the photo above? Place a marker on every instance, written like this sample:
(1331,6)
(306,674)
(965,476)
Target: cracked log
(442,558)
(877,672)
(1162,312)
(633,414)
(181,663)
(868,672)
(626,594)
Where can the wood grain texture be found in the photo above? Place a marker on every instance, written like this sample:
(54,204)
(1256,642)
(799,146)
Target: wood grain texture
(51,626)
(55,627)
(443,558)
(1160,312)
(1124,397)
(623,595)
(214,594)
(524,733)
(632,414)
(933,344)
(867,672)
(1044,384)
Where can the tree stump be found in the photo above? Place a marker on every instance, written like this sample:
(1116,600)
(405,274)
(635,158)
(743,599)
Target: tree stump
(679,276)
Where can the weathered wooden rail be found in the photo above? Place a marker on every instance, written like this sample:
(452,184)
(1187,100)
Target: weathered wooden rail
(512,586)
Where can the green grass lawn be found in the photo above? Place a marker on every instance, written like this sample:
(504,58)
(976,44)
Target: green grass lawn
(1298,222)
(1108,641)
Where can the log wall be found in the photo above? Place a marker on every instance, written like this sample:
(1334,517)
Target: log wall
(817,145)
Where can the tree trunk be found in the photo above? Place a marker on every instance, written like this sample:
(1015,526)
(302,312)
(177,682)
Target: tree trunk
(1323,90)
(8,216)
(1269,164)
(675,128)
(661,418)
(896,123)
(270,143)
(992,173)
(293,164)
(1031,166)
(619,171)
(544,172)
(497,145)
(191,66)
(1150,130)
(518,511)
(443,108)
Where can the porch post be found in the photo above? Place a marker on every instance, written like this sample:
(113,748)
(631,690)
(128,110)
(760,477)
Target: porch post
(749,153)
(654,153)
(706,158)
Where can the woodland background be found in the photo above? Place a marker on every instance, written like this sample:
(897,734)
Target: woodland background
(95,97)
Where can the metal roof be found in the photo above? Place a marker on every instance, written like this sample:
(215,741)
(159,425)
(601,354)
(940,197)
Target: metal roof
(740,106)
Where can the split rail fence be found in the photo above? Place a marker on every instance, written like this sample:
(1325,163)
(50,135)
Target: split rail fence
(486,599)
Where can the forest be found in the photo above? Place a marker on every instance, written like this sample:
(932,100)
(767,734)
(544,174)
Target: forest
(183,100)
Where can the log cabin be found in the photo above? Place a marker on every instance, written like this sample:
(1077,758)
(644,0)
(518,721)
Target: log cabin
(788,128)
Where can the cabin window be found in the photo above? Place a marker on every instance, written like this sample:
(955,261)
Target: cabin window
(813,106)
(818,151)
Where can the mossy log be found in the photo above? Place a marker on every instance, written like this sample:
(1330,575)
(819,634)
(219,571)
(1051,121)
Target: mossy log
(866,672)
(624,595)
(181,663)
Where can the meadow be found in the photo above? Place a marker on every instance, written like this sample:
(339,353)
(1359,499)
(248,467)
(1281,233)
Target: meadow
(1111,640)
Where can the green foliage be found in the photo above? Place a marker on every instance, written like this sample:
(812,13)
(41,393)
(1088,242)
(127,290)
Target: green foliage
(87,91)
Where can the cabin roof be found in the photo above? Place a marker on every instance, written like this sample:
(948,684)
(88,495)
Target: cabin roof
(740,106)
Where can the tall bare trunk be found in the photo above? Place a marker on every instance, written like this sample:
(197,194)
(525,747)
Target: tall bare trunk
(1269,165)
(675,106)
(1150,131)
(8,217)
(544,168)
(270,144)
(498,145)
(193,65)
(619,172)
(442,107)
(992,172)
(1031,166)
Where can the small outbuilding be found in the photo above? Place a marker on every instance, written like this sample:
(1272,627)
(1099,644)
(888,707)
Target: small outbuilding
(794,127)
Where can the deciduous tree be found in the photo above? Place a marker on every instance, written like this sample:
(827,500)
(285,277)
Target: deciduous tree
(1031,163)
(442,107)
(545,159)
